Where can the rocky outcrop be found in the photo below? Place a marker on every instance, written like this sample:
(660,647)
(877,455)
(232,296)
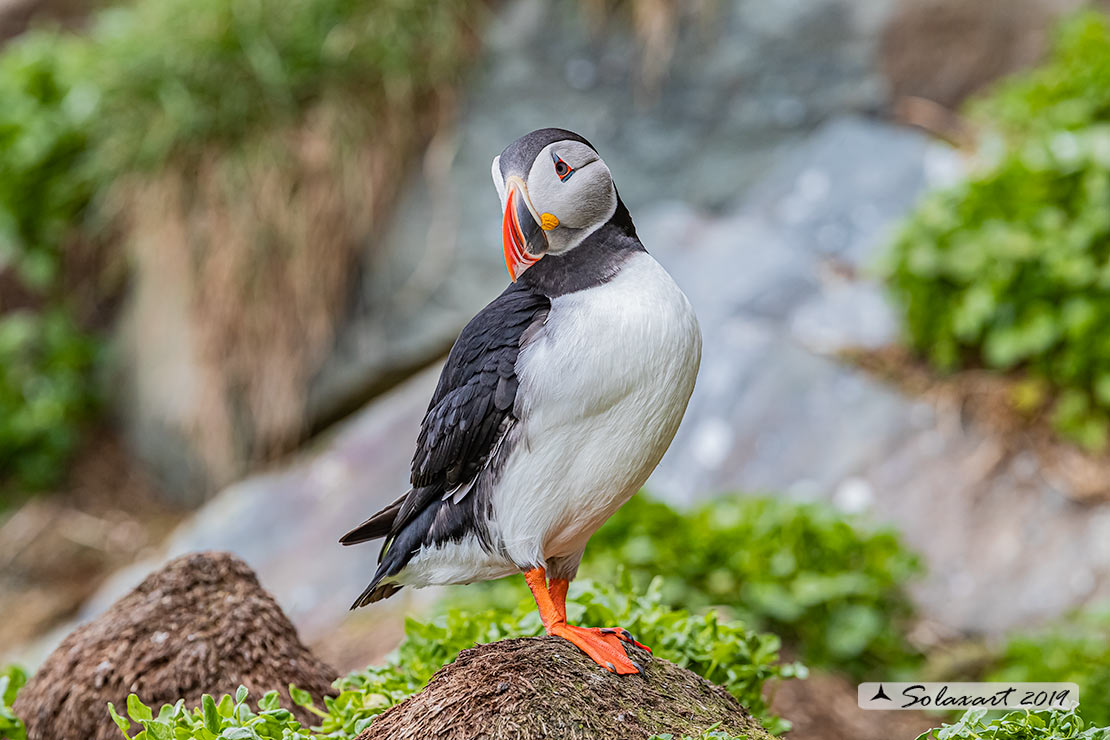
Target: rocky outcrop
(200,625)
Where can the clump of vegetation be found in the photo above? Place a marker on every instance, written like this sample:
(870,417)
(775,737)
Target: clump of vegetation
(176,77)
(1068,92)
(46,388)
(820,580)
(1075,650)
(45,395)
(976,724)
(1011,269)
(724,652)
(44,118)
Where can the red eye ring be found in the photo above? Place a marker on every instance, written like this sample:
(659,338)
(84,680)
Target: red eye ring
(562,170)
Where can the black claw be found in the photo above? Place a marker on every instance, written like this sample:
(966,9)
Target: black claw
(639,668)
(608,630)
(612,668)
(627,636)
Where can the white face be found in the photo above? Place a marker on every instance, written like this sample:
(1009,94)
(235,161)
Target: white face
(569,182)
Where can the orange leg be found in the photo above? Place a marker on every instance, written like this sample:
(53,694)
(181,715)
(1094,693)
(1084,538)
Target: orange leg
(604,646)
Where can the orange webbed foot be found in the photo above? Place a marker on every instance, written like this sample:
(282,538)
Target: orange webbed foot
(604,645)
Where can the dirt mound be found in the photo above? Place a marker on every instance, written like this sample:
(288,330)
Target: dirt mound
(202,624)
(544,687)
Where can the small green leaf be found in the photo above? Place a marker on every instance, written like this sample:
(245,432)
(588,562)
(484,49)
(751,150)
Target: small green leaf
(138,711)
(121,722)
(212,721)
(300,697)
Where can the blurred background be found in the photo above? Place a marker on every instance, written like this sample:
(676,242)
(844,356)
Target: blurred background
(237,238)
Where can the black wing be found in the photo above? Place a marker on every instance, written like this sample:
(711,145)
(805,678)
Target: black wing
(470,412)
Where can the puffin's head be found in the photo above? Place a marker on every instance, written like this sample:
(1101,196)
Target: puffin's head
(555,191)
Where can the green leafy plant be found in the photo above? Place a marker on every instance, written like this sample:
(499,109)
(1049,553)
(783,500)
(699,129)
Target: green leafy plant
(976,724)
(1011,269)
(230,719)
(45,395)
(12,679)
(724,652)
(822,581)
(1076,649)
(45,114)
(1067,92)
(710,734)
(187,75)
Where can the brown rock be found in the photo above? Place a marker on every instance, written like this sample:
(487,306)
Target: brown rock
(200,625)
(945,50)
(544,687)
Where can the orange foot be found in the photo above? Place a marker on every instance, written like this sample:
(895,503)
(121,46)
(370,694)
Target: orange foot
(604,645)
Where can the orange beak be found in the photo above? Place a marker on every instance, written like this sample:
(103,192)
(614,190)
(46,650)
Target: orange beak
(522,237)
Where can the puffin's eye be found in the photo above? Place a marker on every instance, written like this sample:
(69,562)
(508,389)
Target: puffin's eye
(562,169)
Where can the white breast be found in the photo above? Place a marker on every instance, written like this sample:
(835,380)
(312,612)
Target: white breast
(603,389)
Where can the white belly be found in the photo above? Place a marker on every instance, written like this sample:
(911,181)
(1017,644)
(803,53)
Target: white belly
(603,389)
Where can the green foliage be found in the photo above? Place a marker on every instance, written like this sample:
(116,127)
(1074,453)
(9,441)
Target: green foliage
(1011,270)
(46,386)
(44,115)
(1074,650)
(1070,91)
(710,734)
(804,571)
(12,679)
(1048,725)
(44,395)
(228,719)
(723,652)
(179,75)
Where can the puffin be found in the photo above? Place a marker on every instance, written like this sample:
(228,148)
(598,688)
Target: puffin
(556,402)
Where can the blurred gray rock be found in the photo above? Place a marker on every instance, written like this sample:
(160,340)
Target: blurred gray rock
(732,99)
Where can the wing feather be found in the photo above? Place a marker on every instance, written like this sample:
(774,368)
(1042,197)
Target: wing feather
(469,415)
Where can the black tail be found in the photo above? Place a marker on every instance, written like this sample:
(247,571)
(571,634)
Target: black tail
(375,592)
(379,525)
